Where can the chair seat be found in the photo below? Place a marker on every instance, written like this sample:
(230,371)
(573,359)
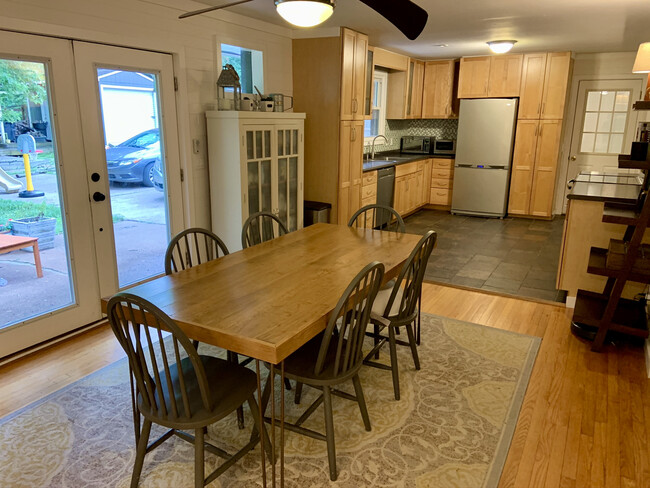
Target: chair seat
(300,365)
(230,384)
(379,307)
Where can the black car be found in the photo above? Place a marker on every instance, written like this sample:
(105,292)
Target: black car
(133,160)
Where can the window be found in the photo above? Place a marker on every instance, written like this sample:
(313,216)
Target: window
(376,126)
(605,119)
(249,66)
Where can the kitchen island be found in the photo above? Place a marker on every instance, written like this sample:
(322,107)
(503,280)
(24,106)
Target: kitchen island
(584,228)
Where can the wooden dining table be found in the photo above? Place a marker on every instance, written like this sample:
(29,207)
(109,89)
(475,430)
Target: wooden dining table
(268,300)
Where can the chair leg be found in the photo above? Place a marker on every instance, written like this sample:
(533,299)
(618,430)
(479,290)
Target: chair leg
(298,394)
(414,347)
(417,335)
(140,453)
(233,357)
(287,384)
(393,360)
(199,461)
(329,429)
(361,401)
(376,340)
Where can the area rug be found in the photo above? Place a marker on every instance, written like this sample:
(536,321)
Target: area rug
(451,428)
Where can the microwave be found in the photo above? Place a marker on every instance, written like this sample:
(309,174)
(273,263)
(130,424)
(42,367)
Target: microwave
(444,146)
(416,145)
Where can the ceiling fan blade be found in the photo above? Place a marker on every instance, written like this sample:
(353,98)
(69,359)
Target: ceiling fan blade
(403,14)
(210,9)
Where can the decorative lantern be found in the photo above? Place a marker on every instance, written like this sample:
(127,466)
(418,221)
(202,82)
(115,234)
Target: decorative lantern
(228,79)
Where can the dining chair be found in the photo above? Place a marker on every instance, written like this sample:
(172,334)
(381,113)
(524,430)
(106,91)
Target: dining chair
(369,216)
(176,387)
(260,227)
(398,308)
(192,247)
(334,357)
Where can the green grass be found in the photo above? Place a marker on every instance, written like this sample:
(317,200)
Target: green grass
(12,209)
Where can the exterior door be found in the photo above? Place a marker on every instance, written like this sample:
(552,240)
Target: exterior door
(67,296)
(84,106)
(603,126)
(132,155)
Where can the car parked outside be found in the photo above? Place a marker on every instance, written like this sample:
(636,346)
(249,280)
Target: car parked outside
(133,160)
(158,176)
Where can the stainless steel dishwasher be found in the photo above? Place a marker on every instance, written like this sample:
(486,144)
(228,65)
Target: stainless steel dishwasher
(385,192)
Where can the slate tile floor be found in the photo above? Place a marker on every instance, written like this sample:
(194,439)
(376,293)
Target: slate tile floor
(513,256)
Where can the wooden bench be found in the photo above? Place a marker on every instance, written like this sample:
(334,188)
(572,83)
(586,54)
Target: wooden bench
(10,243)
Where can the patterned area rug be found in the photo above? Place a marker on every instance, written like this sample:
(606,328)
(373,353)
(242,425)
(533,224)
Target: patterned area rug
(452,427)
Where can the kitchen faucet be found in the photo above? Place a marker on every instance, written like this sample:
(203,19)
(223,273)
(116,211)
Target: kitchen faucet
(372,155)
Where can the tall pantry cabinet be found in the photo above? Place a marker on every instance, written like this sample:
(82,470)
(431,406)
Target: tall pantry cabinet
(256,163)
(544,84)
(329,83)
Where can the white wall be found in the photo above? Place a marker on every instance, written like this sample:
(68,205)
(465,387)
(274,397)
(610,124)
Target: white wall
(589,66)
(154,25)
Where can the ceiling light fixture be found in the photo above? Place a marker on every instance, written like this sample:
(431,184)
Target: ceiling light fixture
(642,61)
(305,13)
(500,47)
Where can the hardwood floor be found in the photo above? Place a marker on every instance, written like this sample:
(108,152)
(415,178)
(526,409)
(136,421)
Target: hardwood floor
(585,421)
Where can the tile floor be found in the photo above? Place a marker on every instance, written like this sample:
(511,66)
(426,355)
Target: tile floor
(513,256)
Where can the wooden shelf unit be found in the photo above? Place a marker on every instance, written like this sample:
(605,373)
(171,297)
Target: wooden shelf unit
(597,314)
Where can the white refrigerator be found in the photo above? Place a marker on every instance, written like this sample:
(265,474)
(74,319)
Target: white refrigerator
(486,131)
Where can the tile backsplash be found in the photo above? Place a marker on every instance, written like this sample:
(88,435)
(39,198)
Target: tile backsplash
(395,129)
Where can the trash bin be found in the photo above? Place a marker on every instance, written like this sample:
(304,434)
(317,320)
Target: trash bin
(317,212)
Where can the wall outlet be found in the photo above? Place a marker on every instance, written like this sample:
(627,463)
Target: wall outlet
(196,146)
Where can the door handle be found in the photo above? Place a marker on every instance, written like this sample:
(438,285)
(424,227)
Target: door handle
(573,158)
(99,197)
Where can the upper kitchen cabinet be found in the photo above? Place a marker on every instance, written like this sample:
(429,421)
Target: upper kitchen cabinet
(545,81)
(474,76)
(532,86)
(354,55)
(438,100)
(414,93)
(490,76)
(370,74)
(556,81)
(404,96)
(505,76)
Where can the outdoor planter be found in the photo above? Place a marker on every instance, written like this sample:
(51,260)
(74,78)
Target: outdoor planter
(41,227)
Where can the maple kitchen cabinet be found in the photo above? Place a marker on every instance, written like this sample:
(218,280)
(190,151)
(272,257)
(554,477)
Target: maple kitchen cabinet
(329,85)
(534,167)
(409,187)
(505,76)
(404,95)
(473,77)
(354,56)
(438,100)
(545,80)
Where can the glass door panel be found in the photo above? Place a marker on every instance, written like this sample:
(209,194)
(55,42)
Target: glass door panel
(43,197)
(287,184)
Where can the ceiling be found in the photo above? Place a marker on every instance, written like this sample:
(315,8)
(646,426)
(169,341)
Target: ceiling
(465,25)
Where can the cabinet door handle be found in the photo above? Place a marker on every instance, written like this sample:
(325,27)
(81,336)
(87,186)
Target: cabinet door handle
(539,108)
(536,127)
(354,134)
(543,108)
(355,105)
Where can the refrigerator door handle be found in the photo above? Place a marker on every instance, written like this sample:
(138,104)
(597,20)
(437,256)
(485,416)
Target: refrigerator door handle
(461,165)
(498,166)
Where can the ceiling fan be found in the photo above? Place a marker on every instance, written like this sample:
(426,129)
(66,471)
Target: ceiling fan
(408,17)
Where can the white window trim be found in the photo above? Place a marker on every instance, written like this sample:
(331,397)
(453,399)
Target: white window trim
(383,77)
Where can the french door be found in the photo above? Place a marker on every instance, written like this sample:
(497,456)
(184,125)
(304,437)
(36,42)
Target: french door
(105,172)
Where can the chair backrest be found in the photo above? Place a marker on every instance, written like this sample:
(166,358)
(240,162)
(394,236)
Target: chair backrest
(138,326)
(377,216)
(409,281)
(260,227)
(346,328)
(192,247)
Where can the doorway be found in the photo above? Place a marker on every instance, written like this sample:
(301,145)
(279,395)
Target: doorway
(105,170)
(603,127)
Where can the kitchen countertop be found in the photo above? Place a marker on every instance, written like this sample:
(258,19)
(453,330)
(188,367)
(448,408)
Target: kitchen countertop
(380,159)
(606,187)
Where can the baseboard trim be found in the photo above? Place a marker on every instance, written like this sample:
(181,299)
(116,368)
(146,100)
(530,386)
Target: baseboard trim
(50,342)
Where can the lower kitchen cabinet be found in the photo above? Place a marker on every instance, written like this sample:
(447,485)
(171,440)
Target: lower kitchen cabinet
(409,187)
(442,178)
(350,168)
(534,167)
(256,163)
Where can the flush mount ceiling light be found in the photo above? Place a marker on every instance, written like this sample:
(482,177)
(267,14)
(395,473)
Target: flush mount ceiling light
(500,47)
(305,13)
(642,61)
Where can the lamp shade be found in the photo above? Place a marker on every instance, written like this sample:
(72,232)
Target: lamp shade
(500,47)
(305,13)
(642,61)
